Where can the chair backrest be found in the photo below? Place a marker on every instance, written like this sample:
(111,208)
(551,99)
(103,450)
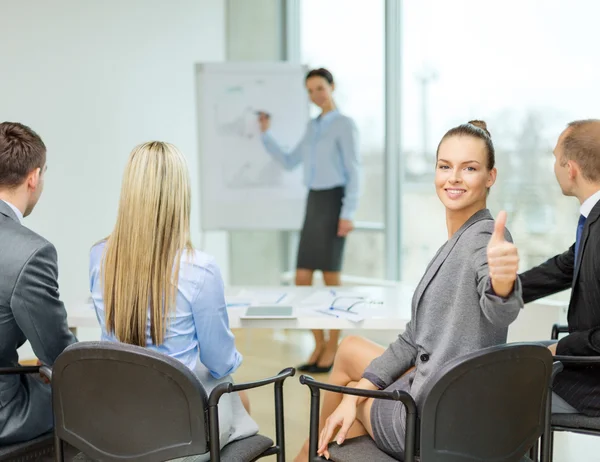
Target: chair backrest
(122,402)
(486,406)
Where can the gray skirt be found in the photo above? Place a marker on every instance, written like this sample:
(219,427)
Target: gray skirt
(388,419)
(320,247)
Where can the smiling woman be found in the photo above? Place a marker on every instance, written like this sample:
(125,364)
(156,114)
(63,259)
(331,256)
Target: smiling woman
(465,170)
(470,287)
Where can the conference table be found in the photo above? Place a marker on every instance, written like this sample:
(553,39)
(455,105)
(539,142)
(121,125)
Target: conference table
(376,308)
(371,308)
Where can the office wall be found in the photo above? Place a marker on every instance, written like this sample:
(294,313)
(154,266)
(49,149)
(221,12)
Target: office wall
(95,79)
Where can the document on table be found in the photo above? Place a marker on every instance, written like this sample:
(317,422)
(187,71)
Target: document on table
(342,314)
(353,302)
(326,297)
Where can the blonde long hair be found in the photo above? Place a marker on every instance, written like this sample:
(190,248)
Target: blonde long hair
(140,266)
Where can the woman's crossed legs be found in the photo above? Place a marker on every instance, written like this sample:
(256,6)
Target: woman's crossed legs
(353,357)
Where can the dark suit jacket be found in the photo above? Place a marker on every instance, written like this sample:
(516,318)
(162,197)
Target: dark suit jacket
(30,309)
(580,387)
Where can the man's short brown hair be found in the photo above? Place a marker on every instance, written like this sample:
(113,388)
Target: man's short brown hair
(21,151)
(582,144)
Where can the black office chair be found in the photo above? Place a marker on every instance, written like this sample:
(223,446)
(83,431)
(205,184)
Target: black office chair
(574,423)
(117,402)
(490,405)
(37,448)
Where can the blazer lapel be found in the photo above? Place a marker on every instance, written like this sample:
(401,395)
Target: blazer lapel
(592,217)
(443,253)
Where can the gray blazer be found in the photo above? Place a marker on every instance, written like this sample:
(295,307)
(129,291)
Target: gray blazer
(30,309)
(454,310)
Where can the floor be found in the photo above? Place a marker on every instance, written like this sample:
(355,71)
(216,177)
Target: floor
(266,352)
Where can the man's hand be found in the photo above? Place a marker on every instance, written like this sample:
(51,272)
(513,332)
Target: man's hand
(552,349)
(344,227)
(42,376)
(503,259)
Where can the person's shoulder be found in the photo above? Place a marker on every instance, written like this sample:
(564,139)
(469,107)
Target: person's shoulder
(19,240)
(346,120)
(483,226)
(97,250)
(198,268)
(482,230)
(198,260)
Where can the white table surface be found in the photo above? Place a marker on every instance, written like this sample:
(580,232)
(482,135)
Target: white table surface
(391,310)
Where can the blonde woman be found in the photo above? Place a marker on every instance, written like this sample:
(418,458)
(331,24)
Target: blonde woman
(151,288)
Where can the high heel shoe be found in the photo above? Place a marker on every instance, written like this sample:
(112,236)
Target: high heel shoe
(307,367)
(320,369)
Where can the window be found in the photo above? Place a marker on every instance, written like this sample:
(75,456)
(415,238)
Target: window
(527,69)
(347,37)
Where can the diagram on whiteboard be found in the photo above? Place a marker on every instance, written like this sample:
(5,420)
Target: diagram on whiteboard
(247,163)
(242,186)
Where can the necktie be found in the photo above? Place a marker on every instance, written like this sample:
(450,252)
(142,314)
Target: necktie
(580,225)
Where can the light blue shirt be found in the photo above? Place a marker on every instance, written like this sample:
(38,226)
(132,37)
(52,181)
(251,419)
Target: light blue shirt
(199,328)
(329,150)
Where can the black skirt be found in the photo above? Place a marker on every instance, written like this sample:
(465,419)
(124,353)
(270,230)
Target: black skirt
(320,247)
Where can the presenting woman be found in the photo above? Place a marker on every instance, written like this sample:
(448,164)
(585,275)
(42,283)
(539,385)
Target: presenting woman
(329,152)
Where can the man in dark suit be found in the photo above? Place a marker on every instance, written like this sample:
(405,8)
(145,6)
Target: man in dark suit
(577,169)
(30,308)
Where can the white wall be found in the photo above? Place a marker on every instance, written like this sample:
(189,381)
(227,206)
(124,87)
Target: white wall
(95,78)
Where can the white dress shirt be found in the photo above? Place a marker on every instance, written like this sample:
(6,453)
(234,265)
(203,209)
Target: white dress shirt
(588,204)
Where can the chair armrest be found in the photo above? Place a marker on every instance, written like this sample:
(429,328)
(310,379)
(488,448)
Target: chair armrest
(396,395)
(46,372)
(584,361)
(228,387)
(557,367)
(558,329)
(19,370)
(284,374)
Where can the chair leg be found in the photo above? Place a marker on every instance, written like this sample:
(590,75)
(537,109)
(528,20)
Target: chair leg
(213,430)
(315,397)
(279,421)
(534,452)
(58,449)
(547,453)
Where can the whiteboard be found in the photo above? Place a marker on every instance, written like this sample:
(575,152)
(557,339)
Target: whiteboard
(241,186)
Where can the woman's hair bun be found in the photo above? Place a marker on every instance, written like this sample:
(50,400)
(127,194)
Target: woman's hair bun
(480,124)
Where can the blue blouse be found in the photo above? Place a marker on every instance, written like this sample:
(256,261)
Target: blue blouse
(199,326)
(329,150)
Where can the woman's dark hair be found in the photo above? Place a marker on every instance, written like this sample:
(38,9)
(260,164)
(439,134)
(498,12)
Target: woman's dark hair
(321,72)
(476,129)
